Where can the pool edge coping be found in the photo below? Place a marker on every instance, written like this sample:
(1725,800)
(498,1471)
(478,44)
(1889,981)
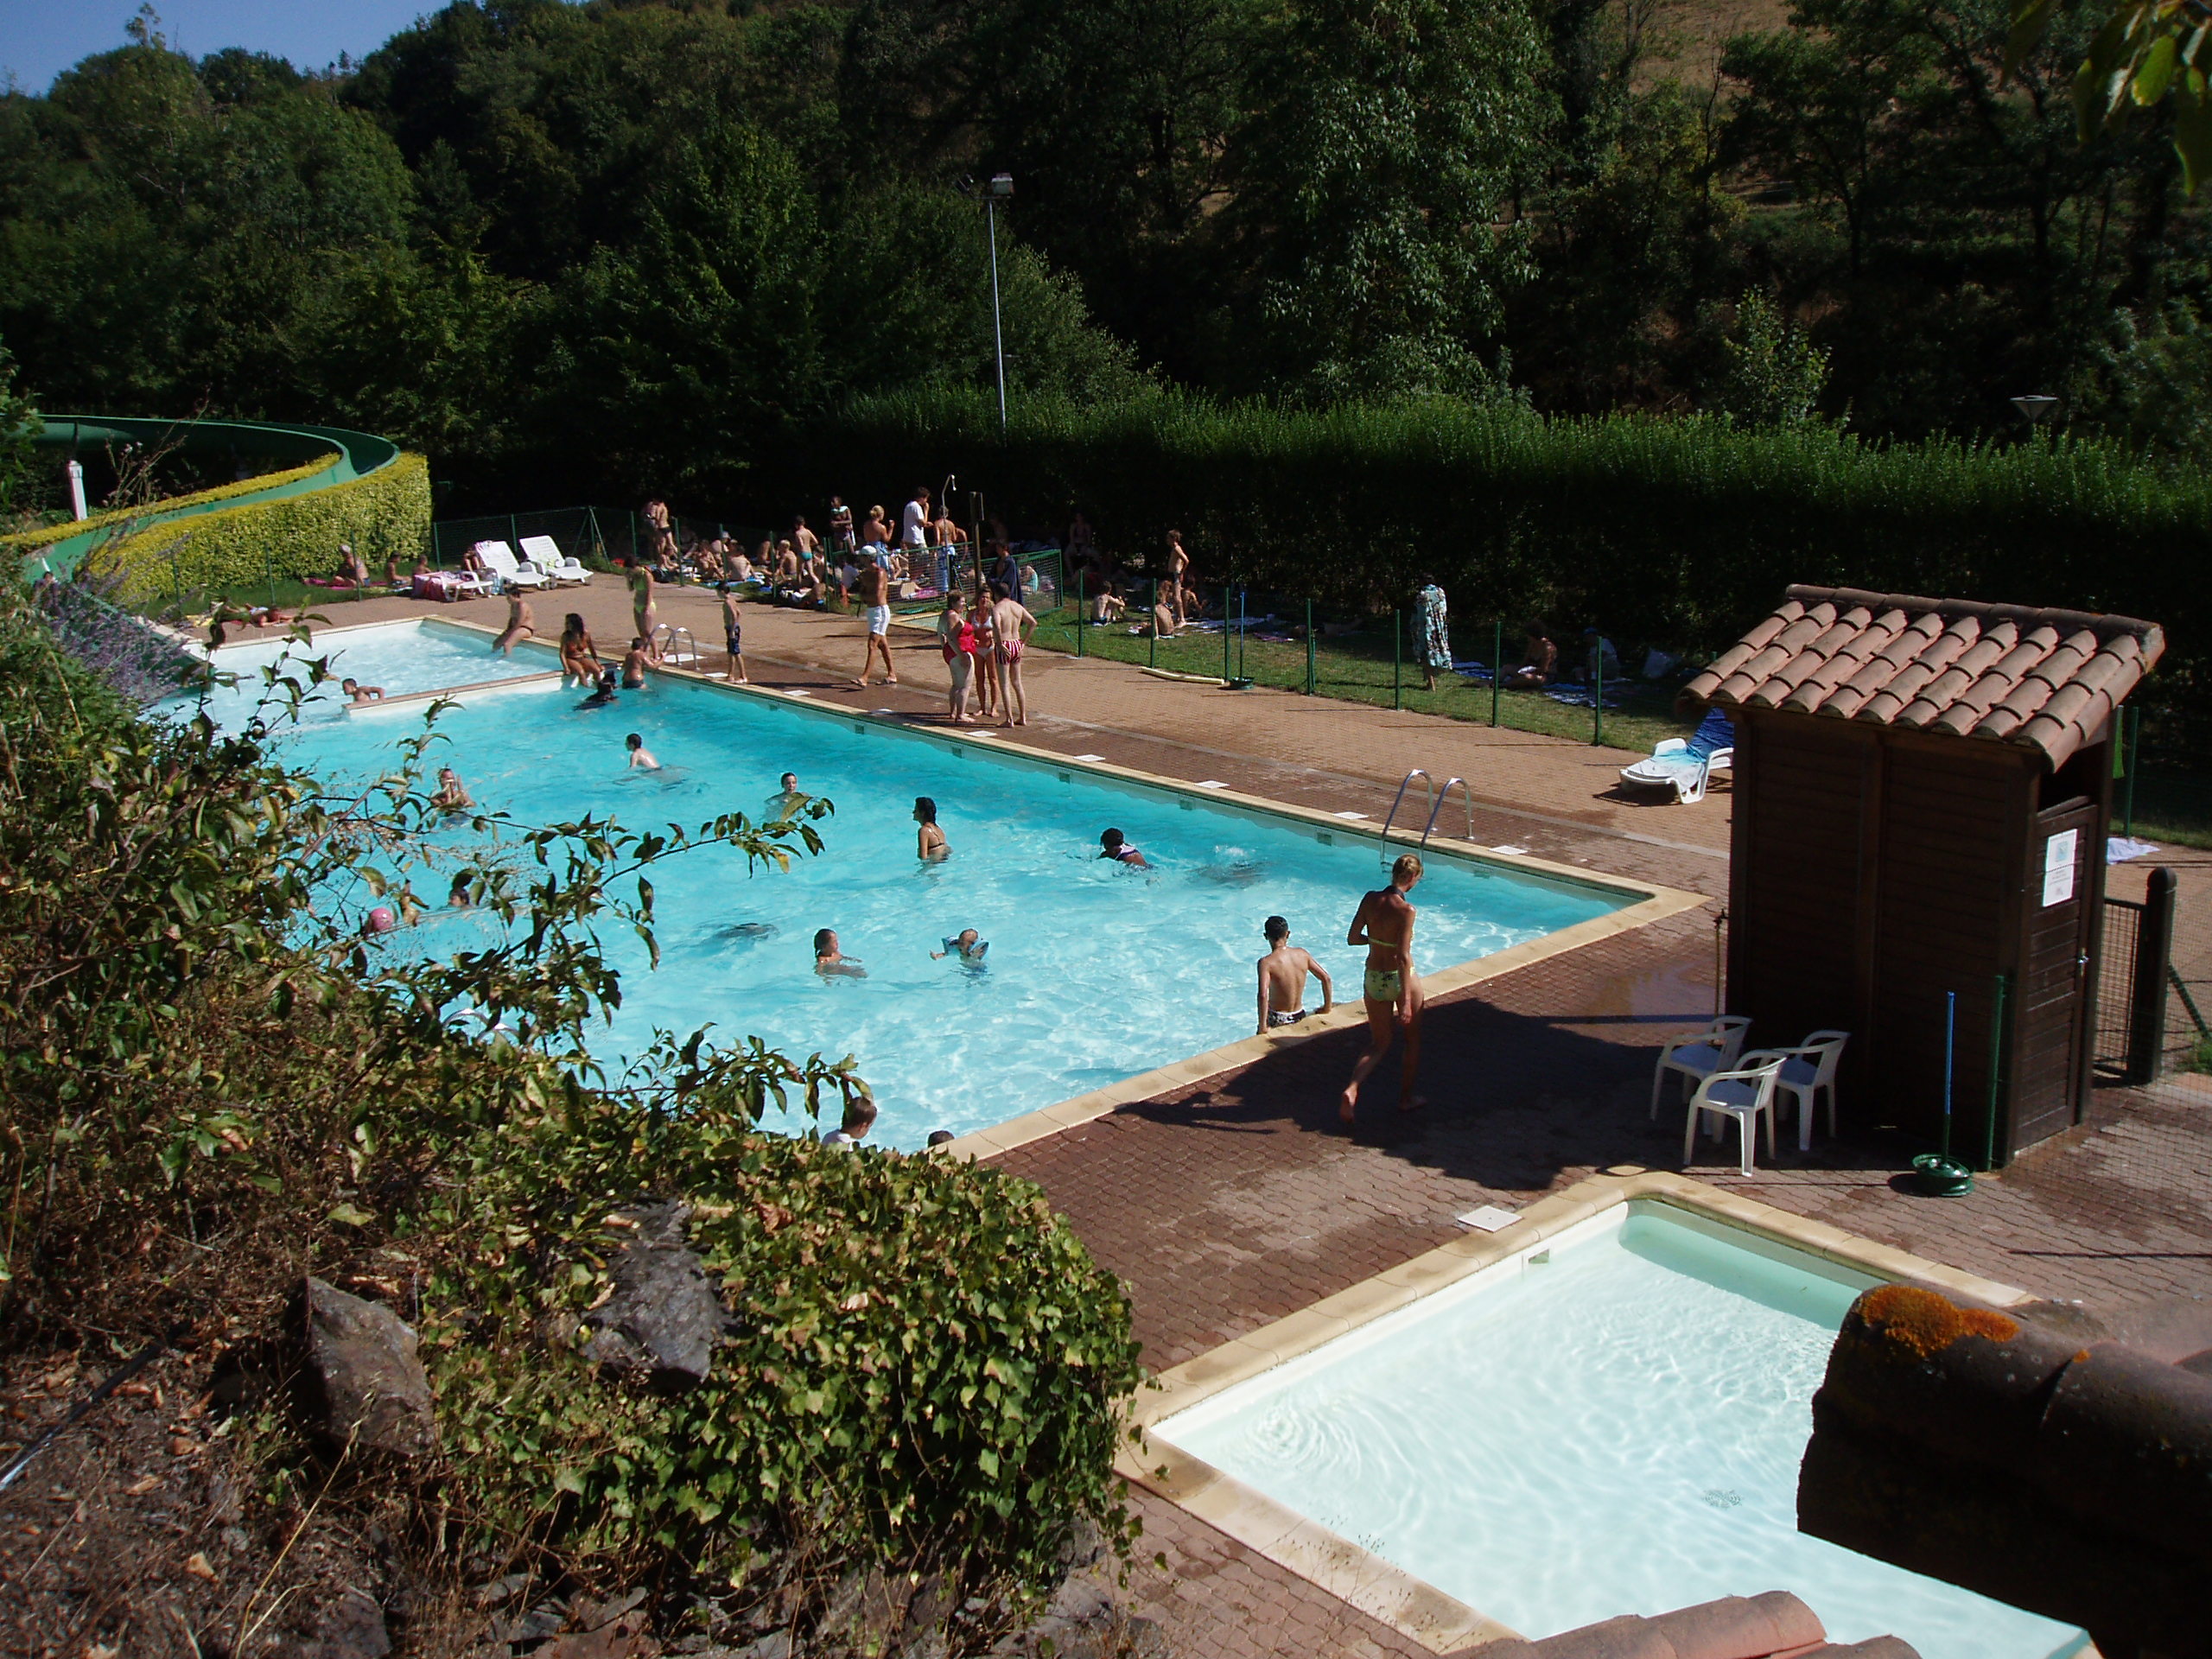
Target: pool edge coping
(1402,1600)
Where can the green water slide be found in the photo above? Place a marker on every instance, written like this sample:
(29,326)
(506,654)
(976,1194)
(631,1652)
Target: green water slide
(282,452)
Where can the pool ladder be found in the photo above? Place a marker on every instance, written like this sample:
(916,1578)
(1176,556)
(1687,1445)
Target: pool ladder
(684,656)
(1435,800)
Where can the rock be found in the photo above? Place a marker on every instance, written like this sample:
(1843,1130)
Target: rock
(1083,1545)
(661,1321)
(777,1644)
(352,1627)
(360,1381)
(864,1609)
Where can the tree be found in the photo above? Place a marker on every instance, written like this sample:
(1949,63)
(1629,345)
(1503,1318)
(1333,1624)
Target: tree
(2146,53)
(1773,373)
(19,426)
(1376,190)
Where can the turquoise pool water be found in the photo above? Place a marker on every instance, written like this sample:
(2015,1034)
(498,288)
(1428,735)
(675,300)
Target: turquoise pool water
(1614,1430)
(1095,973)
(401,656)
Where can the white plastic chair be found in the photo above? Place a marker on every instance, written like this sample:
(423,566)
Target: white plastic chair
(1685,766)
(500,559)
(1698,1057)
(1745,1093)
(1806,1069)
(546,553)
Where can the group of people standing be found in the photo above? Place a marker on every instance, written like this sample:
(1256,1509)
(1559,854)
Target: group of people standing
(983,650)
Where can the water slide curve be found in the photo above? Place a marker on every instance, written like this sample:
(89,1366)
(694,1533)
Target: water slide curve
(260,445)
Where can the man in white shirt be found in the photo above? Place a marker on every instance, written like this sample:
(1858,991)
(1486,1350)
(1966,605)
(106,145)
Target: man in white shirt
(914,534)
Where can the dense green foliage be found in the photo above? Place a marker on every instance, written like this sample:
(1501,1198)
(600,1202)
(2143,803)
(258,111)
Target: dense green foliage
(1675,531)
(605,249)
(212,1081)
(113,519)
(384,516)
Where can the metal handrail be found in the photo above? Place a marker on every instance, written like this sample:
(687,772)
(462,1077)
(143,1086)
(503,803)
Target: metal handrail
(1443,796)
(1427,785)
(668,654)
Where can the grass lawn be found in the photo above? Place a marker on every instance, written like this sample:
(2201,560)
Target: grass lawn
(1357,668)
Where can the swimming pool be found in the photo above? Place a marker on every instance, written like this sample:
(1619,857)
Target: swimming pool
(1608,1422)
(1095,973)
(418,655)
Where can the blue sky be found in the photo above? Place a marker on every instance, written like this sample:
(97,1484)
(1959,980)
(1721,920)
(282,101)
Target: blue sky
(40,38)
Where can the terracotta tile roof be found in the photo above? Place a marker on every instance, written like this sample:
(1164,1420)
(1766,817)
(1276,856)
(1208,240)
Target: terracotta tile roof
(2048,680)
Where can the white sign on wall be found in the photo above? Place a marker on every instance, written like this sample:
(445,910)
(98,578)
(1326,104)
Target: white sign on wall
(2058,867)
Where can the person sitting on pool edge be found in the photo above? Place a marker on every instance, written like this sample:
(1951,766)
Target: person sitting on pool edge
(359,693)
(858,1119)
(1283,980)
(604,695)
(969,945)
(640,756)
(1119,847)
(830,960)
(929,844)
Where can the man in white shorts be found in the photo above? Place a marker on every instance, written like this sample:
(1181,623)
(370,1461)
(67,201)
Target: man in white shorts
(874,595)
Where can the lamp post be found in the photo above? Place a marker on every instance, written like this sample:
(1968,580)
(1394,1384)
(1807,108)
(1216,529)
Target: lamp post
(76,470)
(2035,408)
(1000,188)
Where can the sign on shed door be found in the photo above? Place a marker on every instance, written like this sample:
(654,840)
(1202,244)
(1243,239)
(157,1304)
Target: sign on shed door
(2059,853)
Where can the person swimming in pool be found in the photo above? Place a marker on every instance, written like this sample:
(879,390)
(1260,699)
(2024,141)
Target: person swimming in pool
(453,795)
(459,897)
(355,691)
(967,944)
(1283,980)
(604,695)
(635,661)
(640,756)
(929,844)
(831,961)
(1384,924)
(1119,847)
(788,797)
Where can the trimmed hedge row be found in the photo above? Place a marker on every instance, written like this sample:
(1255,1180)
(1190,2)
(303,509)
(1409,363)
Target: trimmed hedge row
(385,515)
(30,541)
(1677,531)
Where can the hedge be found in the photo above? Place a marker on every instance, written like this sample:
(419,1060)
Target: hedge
(1680,531)
(30,541)
(384,515)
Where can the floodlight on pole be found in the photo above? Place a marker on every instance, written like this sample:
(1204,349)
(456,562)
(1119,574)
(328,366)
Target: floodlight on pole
(2035,408)
(1000,188)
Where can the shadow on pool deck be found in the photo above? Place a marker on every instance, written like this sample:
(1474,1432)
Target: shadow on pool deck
(1239,1199)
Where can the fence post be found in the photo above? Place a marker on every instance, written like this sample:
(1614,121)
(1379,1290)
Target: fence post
(1080,610)
(1398,658)
(1598,693)
(1152,656)
(1997,998)
(1309,647)
(1497,667)
(2146,1013)
(1225,626)
(2134,764)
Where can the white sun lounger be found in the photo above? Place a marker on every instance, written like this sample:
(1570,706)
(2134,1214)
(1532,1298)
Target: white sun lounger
(1686,766)
(500,559)
(564,569)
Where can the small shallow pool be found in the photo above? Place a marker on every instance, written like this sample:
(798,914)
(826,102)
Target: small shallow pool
(1609,1424)
(1095,973)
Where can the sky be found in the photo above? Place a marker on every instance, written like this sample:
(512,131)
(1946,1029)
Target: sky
(40,38)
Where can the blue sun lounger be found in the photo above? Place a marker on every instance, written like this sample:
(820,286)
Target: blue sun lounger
(1686,766)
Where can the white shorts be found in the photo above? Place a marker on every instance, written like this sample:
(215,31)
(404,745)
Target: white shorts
(879,619)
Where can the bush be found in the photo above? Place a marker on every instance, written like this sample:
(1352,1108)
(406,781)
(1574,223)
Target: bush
(1685,530)
(384,515)
(927,1364)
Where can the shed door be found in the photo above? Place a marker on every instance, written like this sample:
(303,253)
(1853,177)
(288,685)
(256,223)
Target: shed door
(2048,1029)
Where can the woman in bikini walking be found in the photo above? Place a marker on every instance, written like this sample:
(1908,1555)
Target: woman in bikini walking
(1384,924)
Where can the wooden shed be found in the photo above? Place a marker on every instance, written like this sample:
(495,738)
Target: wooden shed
(1923,788)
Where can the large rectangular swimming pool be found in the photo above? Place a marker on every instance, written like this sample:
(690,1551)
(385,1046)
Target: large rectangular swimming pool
(1096,973)
(1609,1423)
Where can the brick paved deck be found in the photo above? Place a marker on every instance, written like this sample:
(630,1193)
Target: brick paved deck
(1232,1202)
